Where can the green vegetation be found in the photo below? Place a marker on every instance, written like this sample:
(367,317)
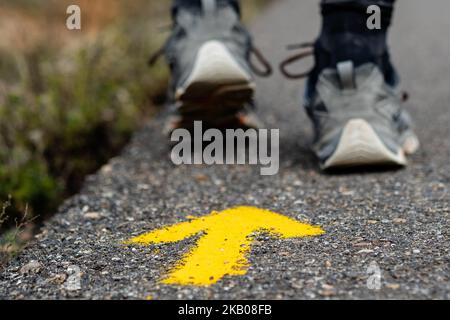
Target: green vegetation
(68,105)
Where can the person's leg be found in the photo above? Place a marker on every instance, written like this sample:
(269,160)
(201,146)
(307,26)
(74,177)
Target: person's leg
(345,36)
(350,96)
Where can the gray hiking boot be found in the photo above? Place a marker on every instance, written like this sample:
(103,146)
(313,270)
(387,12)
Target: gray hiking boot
(358,119)
(209,57)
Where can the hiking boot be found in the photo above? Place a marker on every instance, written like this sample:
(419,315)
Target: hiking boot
(209,57)
(358,119)
(350,93)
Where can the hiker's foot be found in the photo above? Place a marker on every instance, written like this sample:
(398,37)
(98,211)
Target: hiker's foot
(359,120)
(208,54)
(350,95)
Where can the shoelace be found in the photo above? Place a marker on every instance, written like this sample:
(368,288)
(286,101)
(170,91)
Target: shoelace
(156,55)
(262,60)
(265,72)
(307,50)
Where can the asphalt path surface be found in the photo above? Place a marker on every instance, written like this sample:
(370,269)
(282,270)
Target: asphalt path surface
(397,221)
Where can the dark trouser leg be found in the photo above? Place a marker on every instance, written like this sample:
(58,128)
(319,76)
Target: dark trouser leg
(197,4)
(345,36)
(341,16)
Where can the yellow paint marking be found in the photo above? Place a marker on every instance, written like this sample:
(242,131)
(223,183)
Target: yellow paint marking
(223,248)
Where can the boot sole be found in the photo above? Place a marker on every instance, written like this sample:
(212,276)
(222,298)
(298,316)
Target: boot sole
(360,145)
(217,87)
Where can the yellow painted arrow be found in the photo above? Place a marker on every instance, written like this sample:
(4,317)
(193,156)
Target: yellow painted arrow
(223,248)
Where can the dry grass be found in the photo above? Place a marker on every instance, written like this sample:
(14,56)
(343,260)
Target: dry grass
(15,239)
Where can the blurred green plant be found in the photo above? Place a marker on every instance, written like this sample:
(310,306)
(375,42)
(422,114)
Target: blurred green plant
(65,112)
